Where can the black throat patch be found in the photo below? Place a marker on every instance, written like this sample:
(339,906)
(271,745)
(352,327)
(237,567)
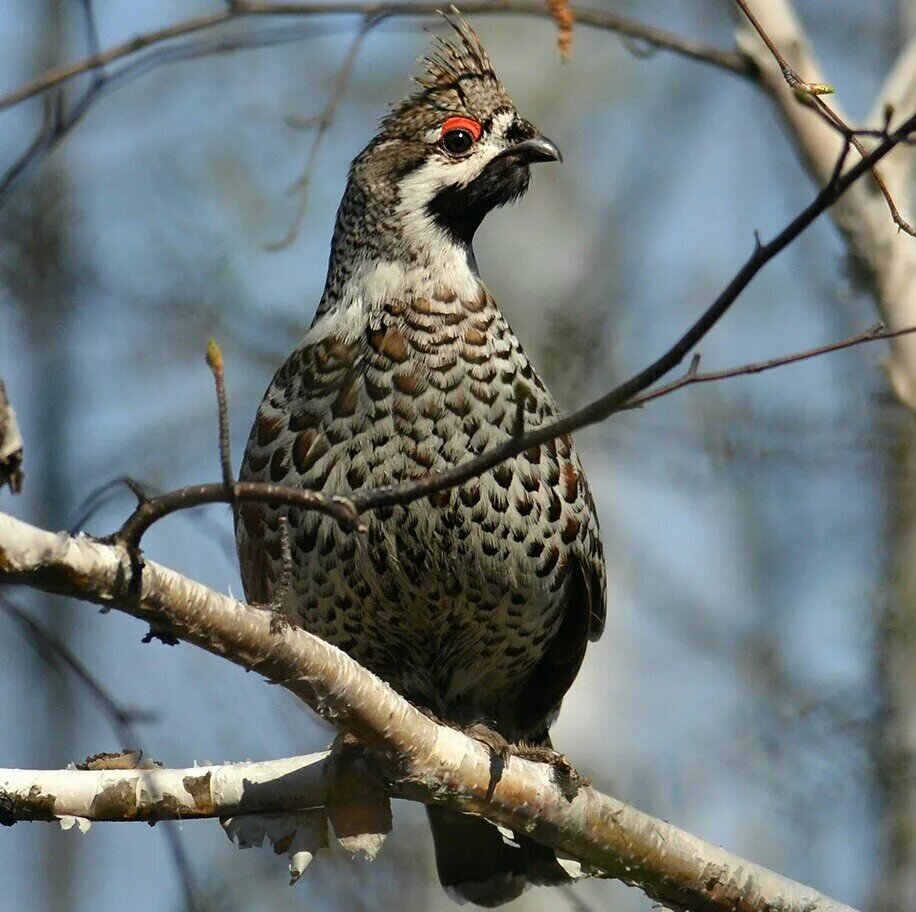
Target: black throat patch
(460,210)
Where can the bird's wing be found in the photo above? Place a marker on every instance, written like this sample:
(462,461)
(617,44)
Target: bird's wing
(583,618)
(291,443)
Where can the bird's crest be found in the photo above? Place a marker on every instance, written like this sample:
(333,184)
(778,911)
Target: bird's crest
(453,58)
(457,78)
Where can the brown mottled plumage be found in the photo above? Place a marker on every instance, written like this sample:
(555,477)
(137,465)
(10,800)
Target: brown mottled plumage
(476,603)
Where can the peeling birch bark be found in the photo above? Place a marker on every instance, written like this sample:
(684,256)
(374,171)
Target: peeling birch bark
(415,758)
(10,445)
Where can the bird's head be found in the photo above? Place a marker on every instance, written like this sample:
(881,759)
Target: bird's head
(449,153)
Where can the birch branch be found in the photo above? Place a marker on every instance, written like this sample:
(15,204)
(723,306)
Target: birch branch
(151,795)
(887,257)
(417,759)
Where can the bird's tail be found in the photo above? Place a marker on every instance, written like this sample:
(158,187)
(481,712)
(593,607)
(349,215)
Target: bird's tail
(478,864)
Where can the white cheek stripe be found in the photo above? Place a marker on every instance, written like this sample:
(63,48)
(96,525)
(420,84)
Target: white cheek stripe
(418,189)
(373,283)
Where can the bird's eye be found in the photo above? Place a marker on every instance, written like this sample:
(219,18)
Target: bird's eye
(459,134)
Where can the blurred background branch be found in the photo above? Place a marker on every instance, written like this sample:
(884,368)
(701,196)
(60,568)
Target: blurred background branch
(757,684)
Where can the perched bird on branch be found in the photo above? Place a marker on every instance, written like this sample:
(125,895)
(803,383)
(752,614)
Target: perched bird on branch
(475,603)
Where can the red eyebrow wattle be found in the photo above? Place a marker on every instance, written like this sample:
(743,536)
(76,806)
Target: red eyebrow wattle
(462,123)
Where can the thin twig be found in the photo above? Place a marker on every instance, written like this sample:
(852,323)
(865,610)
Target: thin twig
(172,44)
(215,363)
(794,81)
(809,93)
(99,496)
(618,398)
(56,124)
(154,509)
(852,135)
(323,123)
(692,376)
(728,60)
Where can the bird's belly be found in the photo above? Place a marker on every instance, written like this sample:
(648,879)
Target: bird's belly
(449,610)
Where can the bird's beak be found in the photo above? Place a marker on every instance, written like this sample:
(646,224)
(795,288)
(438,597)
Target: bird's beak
(536,149)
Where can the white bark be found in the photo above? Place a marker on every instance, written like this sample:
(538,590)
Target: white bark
(10,445)
(417,759)
(166,794)
(887,255)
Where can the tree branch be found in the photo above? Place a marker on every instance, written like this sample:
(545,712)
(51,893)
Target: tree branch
(346,510)
(417,759)
(659,38)
(885,257)
(151,795)
(174,43)
(809,93)
(151,510)
(692,376)
(618,398)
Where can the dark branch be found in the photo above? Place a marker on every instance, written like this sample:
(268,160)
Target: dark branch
(728,60)
(619,397)
(809,93)
(347,510)
(185,499)
(692,375)
(151,511)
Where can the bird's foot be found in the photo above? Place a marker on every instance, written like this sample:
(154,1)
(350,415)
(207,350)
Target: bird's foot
(282,615)
(564,773)
(492,740)
(280,618)
(500,750)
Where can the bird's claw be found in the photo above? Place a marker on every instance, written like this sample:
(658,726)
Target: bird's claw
(565,774)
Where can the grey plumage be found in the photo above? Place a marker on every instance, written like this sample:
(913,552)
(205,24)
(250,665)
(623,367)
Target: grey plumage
(476,603)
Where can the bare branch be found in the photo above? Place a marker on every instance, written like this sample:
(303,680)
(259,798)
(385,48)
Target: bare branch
(730,61)
(809,93)
(347,509)
(322,124)
(692,375)
(793,80)
(417,758)
(183,794)
(152,510)
(617,399)
(885,258)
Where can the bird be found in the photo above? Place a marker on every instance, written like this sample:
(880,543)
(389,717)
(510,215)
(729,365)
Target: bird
(475,603)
